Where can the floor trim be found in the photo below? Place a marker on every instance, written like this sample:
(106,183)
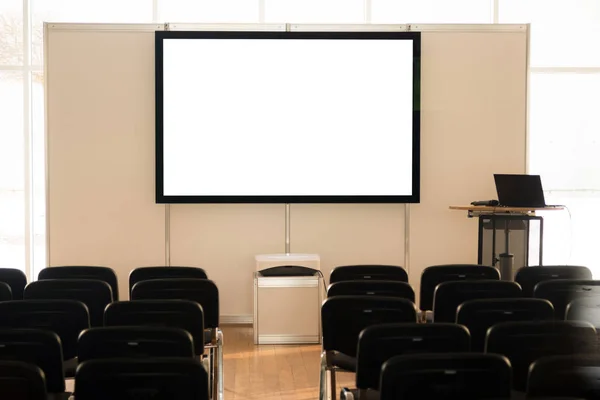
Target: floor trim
(240,319)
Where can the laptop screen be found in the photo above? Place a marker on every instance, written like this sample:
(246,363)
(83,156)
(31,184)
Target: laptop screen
(519,190)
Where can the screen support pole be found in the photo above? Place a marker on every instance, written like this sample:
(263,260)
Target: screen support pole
(287,228)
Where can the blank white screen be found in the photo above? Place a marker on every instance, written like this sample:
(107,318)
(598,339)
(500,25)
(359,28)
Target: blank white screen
(256,117)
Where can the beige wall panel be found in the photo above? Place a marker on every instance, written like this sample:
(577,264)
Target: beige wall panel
(473,124)
(345,234)
(100,130)
(224,239)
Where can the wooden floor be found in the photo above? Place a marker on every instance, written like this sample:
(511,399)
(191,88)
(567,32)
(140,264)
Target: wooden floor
(287,372)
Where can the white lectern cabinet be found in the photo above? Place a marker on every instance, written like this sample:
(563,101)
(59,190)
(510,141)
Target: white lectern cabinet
(287,309)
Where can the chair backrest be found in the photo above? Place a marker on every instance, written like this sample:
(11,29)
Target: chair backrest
(66,318)
(449,295)
(105,274)
(526,342)
(560,292)
(528,277)
(372,288)
(23,381)
(183,314)
(572,375)
(439,376)
(344,317)
(95,294)
(162,272)
(368,271)
(584,309)
(202,291)
(134,341)
(16,279)
(436,274)
(150,378)
(479,315)
(379,343)
(5,292)
(38,347)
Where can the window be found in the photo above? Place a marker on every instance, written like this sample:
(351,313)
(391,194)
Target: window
(564,133)
(12,167)
(211,11)
(315,11)
(431,11)
(564,33)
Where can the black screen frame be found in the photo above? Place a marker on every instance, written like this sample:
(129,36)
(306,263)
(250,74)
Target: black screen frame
(415,197)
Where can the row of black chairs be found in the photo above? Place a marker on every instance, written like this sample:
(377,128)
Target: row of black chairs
(43,349)
(482,376)
(570,298)
(13,281)
(431,277)
(439,365)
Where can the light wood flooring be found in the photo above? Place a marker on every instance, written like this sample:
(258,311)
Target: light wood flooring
(286,372)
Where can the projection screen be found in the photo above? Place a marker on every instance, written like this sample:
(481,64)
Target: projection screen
(287,117)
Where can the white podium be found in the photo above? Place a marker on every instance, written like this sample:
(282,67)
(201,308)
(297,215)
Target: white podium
(287,309)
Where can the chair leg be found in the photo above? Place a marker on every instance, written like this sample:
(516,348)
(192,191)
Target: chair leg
(211,373)
(221,375)
(323,377)
(215,380)
(333,384)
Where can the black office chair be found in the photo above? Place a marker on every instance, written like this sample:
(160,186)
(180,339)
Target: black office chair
(147,378)
(450,376)
(526,342)
(372,288)
(66,318)
(449,295)
(379,343)
(479,315)
(22,381)
(560,292)
(205,293)
(134,341)
(105,274)
(38,347)
(16,279)
(528,277)
(95,294)
(368,271)
(5,292)
(436,274)
(572,375)
(182,314)
(343,318)
(162,272)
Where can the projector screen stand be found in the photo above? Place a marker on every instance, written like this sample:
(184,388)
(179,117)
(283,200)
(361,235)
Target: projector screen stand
(287,228)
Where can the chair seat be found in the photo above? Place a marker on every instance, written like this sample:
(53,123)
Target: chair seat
(343,361)
(70,366)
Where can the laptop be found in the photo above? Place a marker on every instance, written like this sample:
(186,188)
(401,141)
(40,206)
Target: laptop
(520,190)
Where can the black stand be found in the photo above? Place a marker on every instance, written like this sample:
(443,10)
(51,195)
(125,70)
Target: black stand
(494,228)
